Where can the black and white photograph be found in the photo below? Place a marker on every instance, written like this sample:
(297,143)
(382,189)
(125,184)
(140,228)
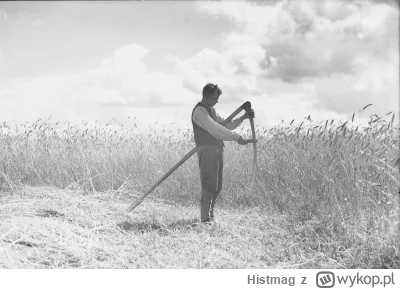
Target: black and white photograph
(200,135)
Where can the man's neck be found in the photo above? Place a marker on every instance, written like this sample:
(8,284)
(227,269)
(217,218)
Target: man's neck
(203,102)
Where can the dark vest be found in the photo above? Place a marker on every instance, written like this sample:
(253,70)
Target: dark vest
(201,136)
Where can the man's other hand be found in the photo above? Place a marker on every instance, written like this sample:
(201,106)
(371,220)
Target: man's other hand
(242,141)
(249,113)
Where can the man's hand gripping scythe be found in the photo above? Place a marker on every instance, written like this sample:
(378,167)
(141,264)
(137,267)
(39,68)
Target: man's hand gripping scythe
(250,114)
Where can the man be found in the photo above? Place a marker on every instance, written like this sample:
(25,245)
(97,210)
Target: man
(209,135)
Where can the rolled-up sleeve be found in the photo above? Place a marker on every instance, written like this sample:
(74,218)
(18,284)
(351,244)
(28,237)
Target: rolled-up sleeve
(203,119)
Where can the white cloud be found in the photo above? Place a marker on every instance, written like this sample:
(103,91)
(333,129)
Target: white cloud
(235,70)
(343,50)
(3,14)
(290,60)
(127,61)
(38,23)
(338,28)
(375,81)
(121,85)
(297,106)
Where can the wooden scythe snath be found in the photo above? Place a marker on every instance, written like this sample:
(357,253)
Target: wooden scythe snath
(189,154)
(253,134)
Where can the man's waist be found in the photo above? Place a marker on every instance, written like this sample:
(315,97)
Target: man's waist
(214,141)
(219,147)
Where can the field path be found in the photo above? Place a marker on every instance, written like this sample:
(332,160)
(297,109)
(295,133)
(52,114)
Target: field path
(43,227)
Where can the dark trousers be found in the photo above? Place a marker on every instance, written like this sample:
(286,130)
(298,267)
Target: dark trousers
(211,165)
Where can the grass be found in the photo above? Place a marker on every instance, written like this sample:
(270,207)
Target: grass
(326,196)
(44,227)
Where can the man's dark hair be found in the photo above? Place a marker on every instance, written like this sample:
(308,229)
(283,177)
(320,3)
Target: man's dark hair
(210,88)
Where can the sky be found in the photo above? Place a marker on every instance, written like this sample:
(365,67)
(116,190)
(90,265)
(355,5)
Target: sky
(104,60)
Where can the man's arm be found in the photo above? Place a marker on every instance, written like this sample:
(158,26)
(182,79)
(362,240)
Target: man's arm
(203,119)
(230,125)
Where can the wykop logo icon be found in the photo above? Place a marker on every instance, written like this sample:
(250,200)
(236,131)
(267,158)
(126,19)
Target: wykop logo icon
(325,279)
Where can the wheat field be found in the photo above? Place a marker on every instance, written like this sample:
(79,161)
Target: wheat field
(326,195)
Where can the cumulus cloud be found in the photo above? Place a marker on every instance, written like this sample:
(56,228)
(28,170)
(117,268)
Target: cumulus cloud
(38,23)
(344,52)
(290,59)
(235,70)
(297,105)
(310,38)
(127,72)
(121,81)
(3,14)
(375,81)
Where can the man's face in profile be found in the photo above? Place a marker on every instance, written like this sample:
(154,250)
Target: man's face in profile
(213,99)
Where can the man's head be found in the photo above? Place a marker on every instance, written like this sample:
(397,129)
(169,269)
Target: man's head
(211,93)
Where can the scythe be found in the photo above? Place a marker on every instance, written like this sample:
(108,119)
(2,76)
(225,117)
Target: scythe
(189,154)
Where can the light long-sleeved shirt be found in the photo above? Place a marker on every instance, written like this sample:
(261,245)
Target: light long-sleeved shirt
(202,118)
